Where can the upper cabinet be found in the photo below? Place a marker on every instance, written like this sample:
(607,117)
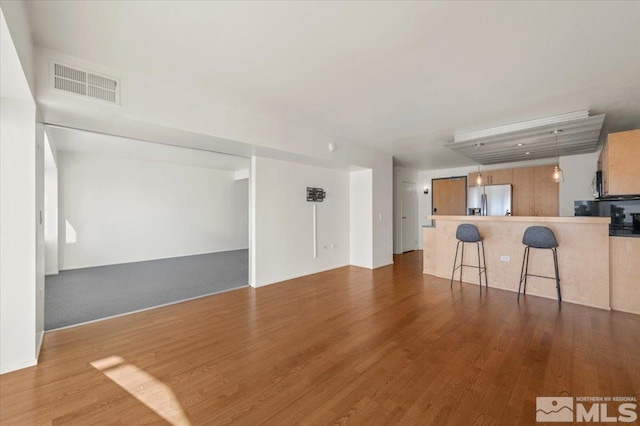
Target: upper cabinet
(523,195)
(545,192)
(620,164)
(534,191)
(492,177)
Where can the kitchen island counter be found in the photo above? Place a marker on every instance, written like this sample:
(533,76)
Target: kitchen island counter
(583,255)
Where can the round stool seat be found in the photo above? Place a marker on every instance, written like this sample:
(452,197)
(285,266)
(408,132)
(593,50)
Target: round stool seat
(539,237)
(468,233)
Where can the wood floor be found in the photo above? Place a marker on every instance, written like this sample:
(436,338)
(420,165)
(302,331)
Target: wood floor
(390,346)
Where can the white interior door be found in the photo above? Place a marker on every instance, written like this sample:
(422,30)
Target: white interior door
(409,216)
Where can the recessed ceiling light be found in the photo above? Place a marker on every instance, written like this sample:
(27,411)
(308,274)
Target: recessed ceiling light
(520,144)
(527,153)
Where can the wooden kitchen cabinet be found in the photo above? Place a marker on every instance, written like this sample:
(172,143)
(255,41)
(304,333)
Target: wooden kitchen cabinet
(534,193)
(545,192)
(500,177)
(620,164)
(492,177)
(523,200)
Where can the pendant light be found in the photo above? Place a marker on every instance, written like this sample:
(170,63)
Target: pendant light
(479,177)
(558,174)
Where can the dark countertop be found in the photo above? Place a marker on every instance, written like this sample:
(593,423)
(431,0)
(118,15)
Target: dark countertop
(623,231)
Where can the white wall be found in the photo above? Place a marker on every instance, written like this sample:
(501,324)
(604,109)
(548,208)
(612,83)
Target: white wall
(361,218)
(20,253)
(283,223)
(579,171)
(400,175)
(50,208)
(382,210)
(39,226)
(18,336)
(157,113)
(116,210)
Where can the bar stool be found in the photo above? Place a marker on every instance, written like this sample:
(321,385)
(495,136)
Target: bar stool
(468,233)
(539,237)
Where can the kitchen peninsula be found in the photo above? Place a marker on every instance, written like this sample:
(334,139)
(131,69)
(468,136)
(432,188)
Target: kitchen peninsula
(583,255)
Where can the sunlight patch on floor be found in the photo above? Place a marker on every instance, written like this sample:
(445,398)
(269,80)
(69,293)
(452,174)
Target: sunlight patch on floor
(144,387)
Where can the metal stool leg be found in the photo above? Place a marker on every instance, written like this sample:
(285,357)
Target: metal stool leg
(522,273)
(455,259)
(479,268)
(461,261)
(555,265)
(526,271)
(484,263)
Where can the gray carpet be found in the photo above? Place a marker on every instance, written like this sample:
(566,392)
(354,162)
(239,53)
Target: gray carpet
(87,294)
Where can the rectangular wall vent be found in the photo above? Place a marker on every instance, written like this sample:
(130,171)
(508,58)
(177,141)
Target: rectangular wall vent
(84,83)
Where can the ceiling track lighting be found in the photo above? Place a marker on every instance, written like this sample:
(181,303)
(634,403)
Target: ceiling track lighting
(558,174)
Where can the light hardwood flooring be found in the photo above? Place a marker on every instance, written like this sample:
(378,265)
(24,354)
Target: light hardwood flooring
(390,346)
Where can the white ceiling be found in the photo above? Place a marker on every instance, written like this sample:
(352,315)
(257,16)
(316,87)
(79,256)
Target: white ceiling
(401,77)
(73,140)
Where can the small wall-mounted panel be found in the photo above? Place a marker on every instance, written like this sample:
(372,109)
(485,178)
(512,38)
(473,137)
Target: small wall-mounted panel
(315,194)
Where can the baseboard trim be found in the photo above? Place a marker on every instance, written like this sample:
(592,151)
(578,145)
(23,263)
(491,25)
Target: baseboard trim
(17,366)
(293,277)
(626,311)
(39,345)
(382,266)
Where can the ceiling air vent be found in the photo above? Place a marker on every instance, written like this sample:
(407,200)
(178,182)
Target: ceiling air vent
(84,83)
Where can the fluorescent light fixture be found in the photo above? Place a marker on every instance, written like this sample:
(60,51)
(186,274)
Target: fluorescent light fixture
(532,124)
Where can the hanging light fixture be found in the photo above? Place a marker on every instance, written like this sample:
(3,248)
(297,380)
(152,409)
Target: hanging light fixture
(479,177)
(558,174)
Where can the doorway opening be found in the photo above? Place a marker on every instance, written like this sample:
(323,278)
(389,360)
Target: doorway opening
(449,196)
(139,225)
(409,224)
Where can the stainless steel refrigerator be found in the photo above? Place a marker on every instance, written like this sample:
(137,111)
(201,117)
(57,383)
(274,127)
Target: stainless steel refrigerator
(491,200)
